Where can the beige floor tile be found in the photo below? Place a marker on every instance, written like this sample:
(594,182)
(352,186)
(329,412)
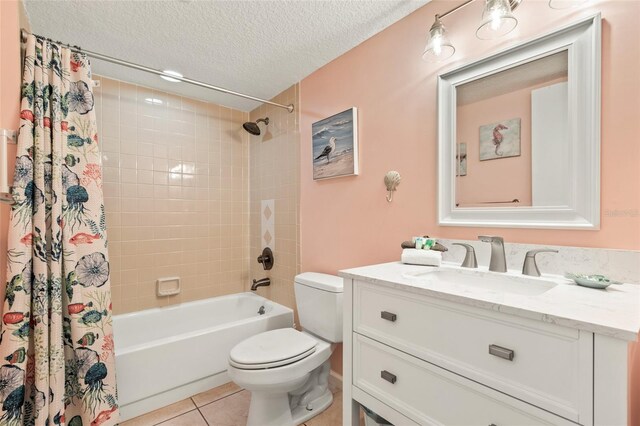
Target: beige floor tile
(192,418)
(229,411)
(362,417)
(332,416)
(215,394)
(335,384)
(162,414)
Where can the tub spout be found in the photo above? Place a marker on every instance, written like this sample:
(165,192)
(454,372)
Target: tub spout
(260,283)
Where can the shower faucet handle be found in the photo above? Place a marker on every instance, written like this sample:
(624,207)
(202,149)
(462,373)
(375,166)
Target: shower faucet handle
(266,258)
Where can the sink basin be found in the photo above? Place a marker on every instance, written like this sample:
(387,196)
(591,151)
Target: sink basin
(491,281)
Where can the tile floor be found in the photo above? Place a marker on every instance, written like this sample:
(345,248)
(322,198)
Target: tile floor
(226,405)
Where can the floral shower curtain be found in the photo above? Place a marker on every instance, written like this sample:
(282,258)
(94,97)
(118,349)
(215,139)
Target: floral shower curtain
(56,341)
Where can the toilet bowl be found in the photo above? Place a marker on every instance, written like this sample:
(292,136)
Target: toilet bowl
(288,381)
(286,370)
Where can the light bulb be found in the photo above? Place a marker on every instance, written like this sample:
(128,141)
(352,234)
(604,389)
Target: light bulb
(437,46)
(495,20)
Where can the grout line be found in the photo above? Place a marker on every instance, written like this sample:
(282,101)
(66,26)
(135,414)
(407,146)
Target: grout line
(216,400)
(203,417)
(196,408)
(174,417)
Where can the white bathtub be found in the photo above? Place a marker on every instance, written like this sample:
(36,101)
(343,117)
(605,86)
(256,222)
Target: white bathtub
(164,355)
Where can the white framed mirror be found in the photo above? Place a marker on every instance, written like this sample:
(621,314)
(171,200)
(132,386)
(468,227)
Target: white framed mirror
(519,135)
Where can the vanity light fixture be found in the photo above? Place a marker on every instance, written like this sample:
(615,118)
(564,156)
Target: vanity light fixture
(497,20)
(173,73)
(438,46)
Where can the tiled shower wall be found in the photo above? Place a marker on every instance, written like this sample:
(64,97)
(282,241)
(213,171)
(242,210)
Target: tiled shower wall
(274,175)
(176,194)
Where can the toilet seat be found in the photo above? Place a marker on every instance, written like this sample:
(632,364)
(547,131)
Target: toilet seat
(275,348)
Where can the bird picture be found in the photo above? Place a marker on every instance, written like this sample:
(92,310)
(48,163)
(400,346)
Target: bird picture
(326,152)
(335,145)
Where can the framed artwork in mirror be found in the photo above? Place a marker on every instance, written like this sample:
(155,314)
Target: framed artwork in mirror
(500,140)
(461,159)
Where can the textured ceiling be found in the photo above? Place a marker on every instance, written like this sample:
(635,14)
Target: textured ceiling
(256,47)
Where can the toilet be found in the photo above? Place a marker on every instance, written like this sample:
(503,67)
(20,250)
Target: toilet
(286,370)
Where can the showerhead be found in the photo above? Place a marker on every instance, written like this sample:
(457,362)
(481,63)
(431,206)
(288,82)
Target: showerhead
(253,128)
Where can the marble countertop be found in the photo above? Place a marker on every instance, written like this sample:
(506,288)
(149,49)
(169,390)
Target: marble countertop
(613,312)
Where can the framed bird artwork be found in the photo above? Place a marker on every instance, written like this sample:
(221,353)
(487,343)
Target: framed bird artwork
(335,145)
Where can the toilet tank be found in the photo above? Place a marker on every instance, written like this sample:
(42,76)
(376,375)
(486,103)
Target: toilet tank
(319,302)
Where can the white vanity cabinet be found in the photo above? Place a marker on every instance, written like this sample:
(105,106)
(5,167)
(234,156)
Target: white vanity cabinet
(416,355)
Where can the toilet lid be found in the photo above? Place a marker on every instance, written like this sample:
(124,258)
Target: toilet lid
(272,349)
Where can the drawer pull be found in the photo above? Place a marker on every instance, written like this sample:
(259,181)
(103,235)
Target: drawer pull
(388,316)
(501,352)
(389,377)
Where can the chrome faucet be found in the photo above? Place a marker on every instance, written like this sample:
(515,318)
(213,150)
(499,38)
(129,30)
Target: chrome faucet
(470,256)
(260,283)
(498,262)
(530,267)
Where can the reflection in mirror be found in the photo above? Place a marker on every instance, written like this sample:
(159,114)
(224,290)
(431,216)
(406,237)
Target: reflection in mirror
(512,137)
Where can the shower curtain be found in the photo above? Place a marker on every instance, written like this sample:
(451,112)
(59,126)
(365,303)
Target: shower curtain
(56,341)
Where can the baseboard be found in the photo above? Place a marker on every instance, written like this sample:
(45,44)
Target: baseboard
(154,402)
(335,381)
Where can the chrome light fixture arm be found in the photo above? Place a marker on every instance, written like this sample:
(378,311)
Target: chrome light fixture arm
(497,20)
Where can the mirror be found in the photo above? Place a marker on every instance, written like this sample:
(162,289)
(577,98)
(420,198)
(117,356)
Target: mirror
(512,134)
(519,135)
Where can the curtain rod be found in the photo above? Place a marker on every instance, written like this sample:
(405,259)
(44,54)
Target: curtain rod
(23,38)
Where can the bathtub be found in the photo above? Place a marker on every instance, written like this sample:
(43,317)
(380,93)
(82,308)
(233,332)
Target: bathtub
(164,355)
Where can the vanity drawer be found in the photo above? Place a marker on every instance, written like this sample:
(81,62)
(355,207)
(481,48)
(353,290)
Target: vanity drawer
(546,365)
(431,395)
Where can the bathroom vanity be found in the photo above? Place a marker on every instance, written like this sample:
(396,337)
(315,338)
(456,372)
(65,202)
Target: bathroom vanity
(455,346)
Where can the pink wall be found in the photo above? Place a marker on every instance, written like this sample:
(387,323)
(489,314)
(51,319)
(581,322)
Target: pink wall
(347,222)
(9,104)
(395,92)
